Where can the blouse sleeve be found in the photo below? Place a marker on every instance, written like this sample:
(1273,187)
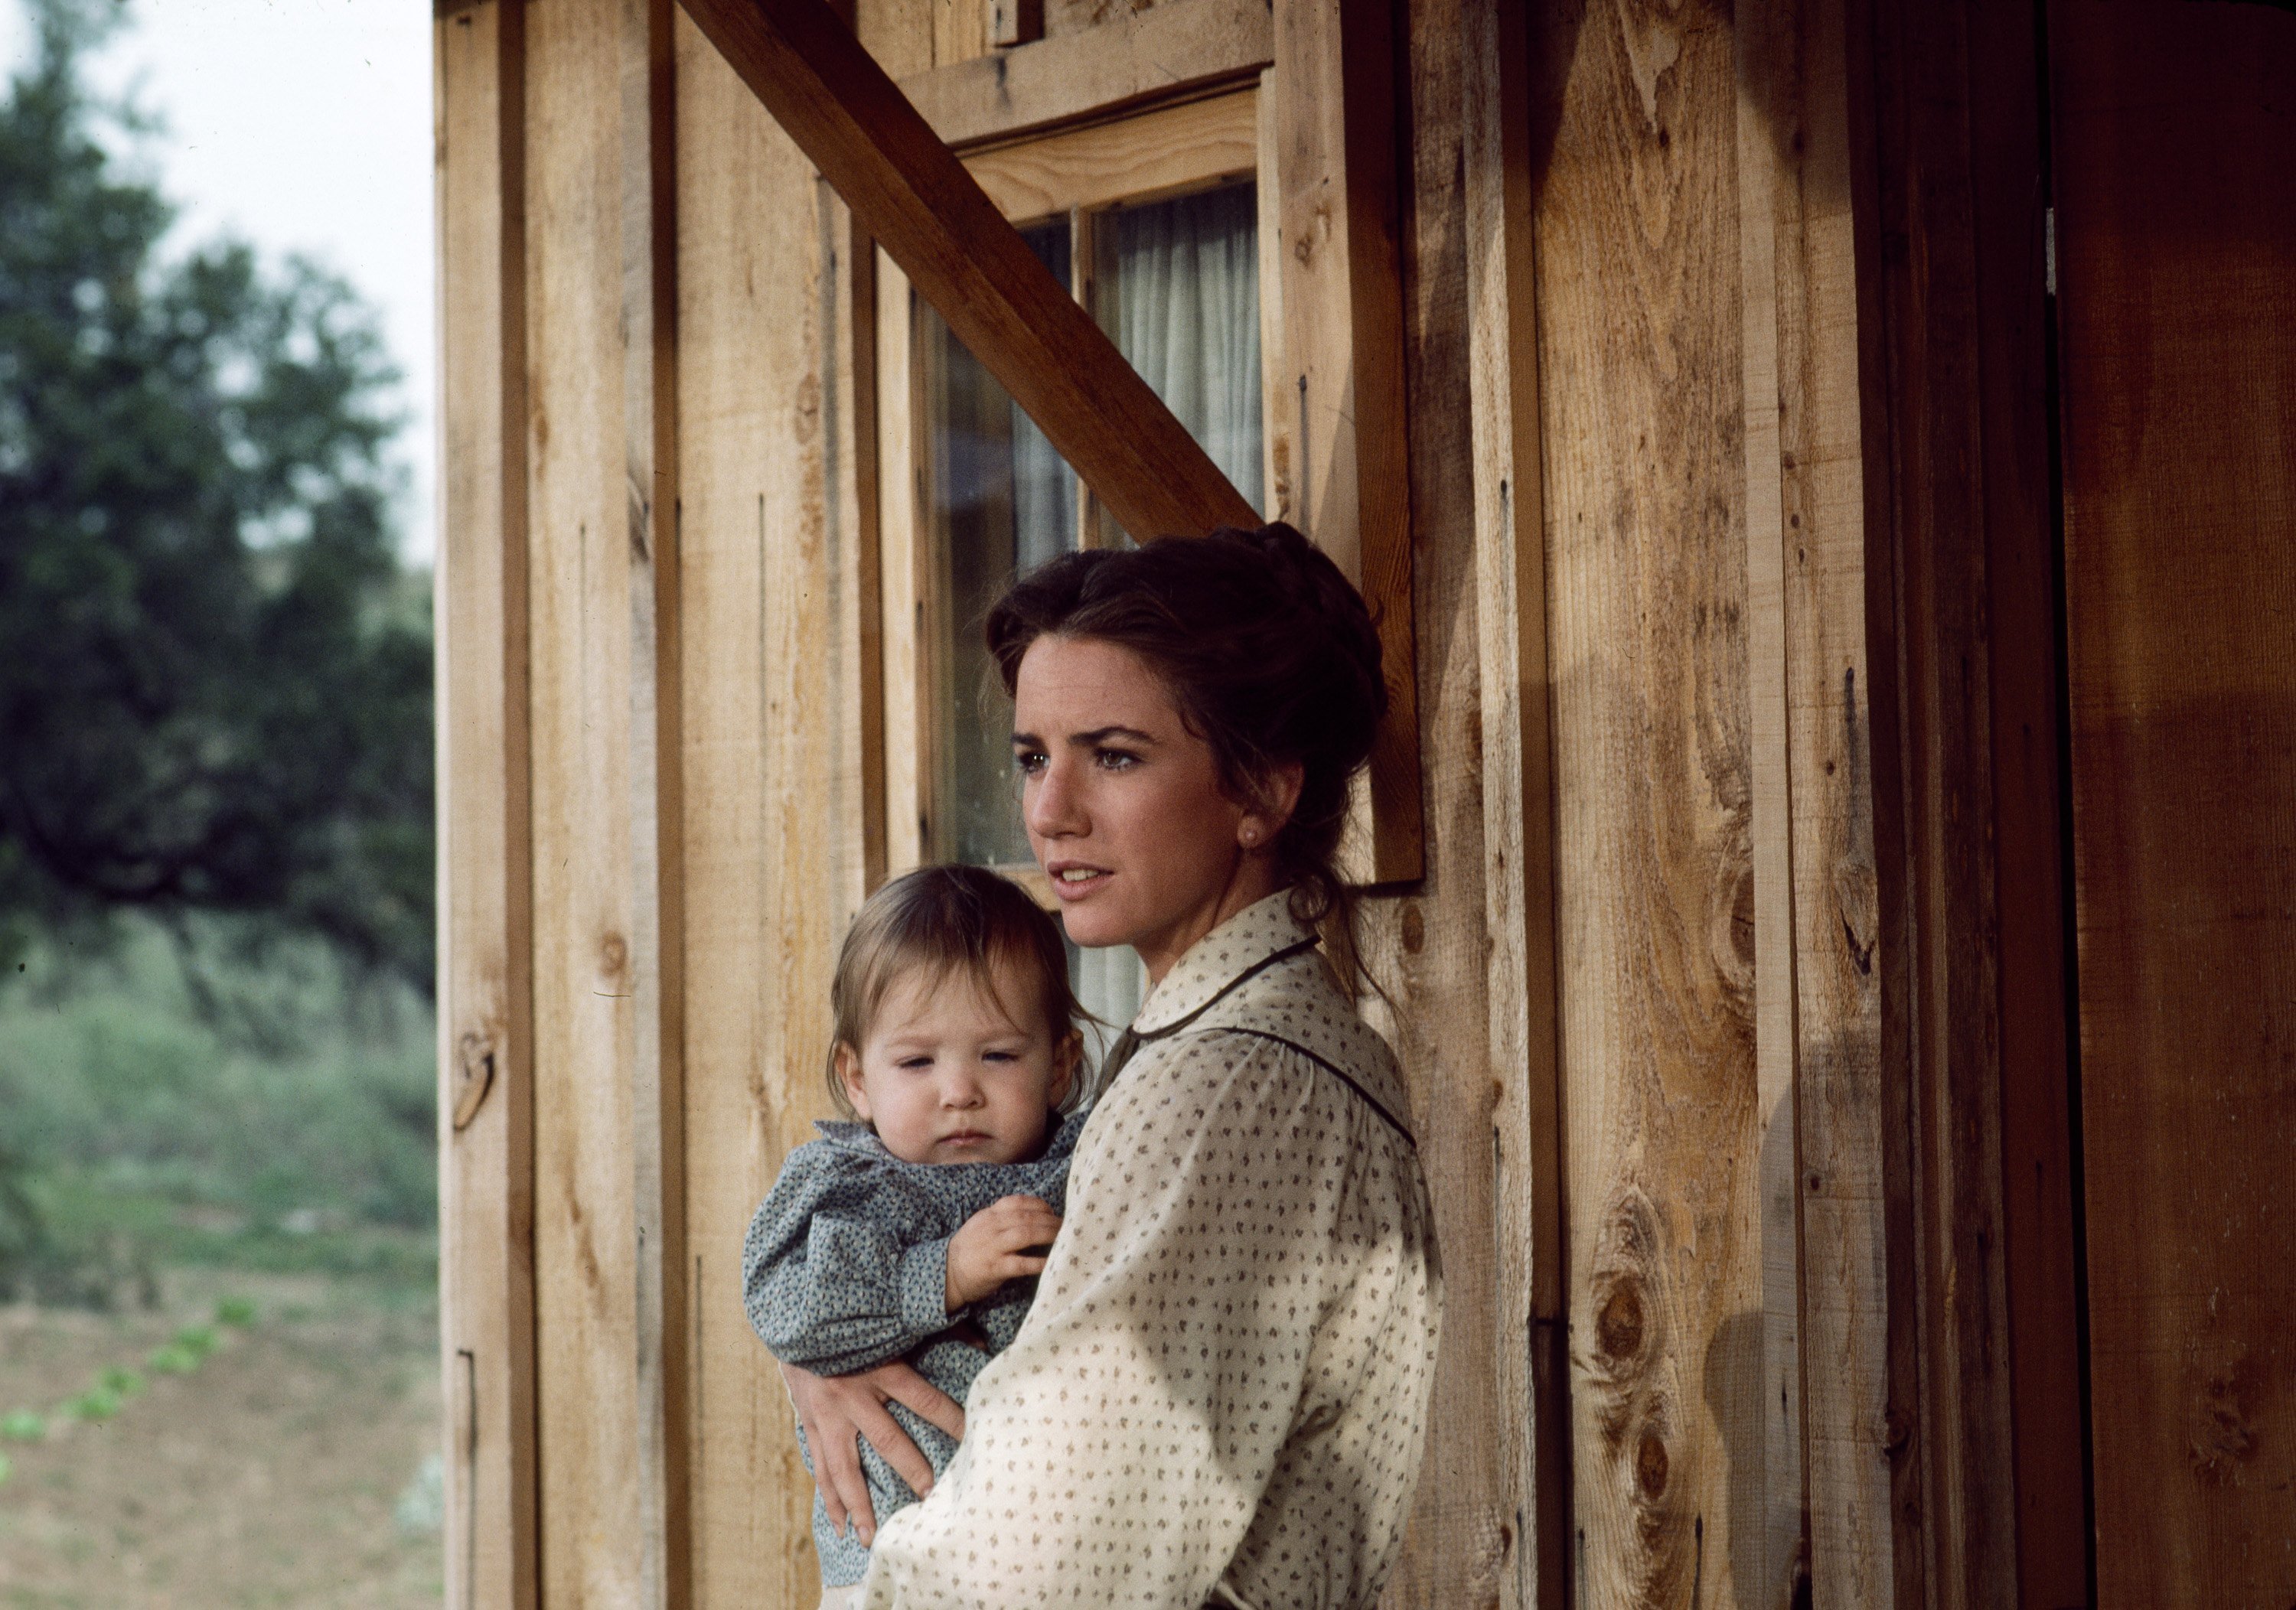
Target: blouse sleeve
(1117,1451)
(834,1277)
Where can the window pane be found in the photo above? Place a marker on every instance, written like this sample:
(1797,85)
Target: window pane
(1179,294)
(1002,500)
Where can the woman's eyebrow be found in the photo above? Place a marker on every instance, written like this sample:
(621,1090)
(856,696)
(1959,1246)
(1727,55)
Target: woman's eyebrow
(1086,741)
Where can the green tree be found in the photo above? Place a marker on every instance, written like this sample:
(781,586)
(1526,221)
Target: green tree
(214,675)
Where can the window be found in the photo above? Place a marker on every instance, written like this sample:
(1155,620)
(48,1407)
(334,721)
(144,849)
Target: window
(1154,222)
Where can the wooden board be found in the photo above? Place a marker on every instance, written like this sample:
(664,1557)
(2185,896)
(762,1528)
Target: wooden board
(1827,1523)
(1143,159)
(2176,215)
(1429,947)
(485,987)
(759,758)
(1642,377)
(593,850)
(1530,1368)
(1952,400)
(1175,49)
(1335,144)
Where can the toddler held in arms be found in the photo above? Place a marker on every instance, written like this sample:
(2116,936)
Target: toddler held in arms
(914,1230)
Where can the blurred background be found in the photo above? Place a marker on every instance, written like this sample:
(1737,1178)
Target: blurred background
(217,1250)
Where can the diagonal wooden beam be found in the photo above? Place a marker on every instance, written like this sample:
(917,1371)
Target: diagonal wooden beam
(907,190)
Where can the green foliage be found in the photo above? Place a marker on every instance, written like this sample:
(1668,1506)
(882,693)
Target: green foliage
(97,1403)
(23,1425)
(237,1312)
(197,1341)
(121,1380)
(214,675)
(172,1360)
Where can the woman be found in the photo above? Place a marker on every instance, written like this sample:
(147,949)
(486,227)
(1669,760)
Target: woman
(1220,1394)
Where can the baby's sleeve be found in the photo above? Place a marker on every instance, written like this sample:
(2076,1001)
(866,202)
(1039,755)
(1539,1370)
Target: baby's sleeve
(837,1275)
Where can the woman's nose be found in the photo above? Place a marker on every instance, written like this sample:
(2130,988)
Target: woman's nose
(1050,803)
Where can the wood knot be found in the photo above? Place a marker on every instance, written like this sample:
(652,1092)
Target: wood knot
(613,955)
(1415,928)
(474,1077)
(1618,1327)
(1651,1466)
(1897,1432)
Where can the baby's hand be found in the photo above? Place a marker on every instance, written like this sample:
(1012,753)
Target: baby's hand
(991,1247)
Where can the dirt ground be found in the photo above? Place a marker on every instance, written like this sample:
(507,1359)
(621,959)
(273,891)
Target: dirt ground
(286,1470)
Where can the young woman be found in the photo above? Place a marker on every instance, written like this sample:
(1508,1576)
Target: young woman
(1220,1394)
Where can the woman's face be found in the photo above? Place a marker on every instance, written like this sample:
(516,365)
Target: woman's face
(1123,807)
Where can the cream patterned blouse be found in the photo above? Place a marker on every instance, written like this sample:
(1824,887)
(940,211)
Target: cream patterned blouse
(1223,1384)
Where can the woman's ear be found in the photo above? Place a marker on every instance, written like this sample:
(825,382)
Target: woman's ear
(1068,1056)
(1271,807)
(848,1074)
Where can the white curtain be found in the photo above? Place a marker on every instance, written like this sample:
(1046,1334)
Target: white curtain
(1179,294)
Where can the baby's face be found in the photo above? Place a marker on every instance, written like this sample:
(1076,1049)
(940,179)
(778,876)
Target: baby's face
(947,1076)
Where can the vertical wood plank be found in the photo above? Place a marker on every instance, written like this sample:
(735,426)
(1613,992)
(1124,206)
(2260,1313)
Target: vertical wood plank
(1436,959)
(649,422)
(761,757)
(486,1009)
(1531,1362)
(1951,1415)
(595,853)
(904,551)
(1279,404)
(848,324)
(1815,540)
(1770,1489)
(1333,89)
(2177,277)
(1642,389)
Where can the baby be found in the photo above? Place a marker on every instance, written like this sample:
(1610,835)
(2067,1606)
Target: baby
(913,1232)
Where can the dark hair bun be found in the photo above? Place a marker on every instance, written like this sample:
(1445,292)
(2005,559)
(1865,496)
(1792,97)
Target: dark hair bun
(1268,650)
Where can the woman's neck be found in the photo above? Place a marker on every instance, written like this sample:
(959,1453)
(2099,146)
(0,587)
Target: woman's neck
(1254,880)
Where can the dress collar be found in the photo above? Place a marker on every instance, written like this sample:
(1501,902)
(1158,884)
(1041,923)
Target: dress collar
(1262,933)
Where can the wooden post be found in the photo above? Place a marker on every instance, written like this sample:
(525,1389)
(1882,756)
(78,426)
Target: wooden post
(1335,138)
(1511,616)
(485,1002)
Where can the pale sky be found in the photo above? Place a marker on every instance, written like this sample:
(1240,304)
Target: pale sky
(299,126)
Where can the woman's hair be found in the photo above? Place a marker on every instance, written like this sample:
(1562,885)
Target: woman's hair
(955,922)
(1267,652)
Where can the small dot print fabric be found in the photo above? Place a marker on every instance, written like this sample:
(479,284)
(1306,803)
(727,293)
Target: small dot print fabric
(1220,1394)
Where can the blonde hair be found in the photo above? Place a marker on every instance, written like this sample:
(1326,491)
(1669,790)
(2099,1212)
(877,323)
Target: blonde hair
(954,921)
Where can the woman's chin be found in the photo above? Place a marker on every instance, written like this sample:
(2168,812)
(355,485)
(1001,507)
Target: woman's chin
(1094,926)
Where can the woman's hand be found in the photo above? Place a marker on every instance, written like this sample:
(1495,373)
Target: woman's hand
(835,1409)
(992,1246)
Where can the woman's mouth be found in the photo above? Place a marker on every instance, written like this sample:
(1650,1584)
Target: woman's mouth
(1073,880)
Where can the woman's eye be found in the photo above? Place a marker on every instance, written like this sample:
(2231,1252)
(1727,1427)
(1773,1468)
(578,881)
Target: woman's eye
(1115,760)
(1029,762)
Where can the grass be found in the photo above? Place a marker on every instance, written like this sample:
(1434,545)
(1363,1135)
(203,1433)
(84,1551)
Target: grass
(198,1105)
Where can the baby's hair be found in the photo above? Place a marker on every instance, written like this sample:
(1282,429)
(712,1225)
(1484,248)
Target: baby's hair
(955,921)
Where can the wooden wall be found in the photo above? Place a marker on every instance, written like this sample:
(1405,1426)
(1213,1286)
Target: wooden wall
(1697,997)
(2176,284)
